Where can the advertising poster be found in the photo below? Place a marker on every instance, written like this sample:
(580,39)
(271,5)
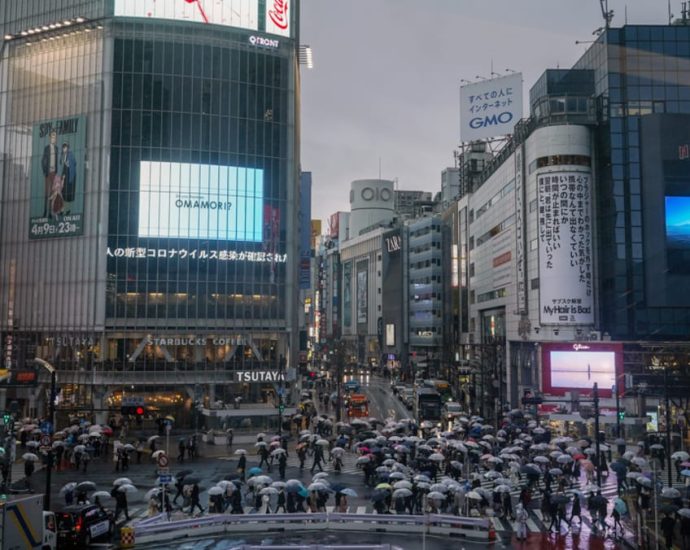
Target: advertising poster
(57,178)
(565,248)
(491,107)
(347,295)
(362,292)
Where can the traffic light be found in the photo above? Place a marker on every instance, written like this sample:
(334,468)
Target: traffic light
(281,408)
(621,415)
(6,418)
(134,410)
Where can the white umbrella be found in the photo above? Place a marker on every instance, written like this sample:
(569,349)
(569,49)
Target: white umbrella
(323,442)
(402,485)
(541,459)
(278,484)
(30,457)
(438,487)
(680,455)
(216,491)
(277,452)
(320,475)
(101,494)
(32,443)
(437,457)
(152,493)
(152,438)
(155,454)
(79,449)
(122,481)
(259,444)
(503,489)
(240,452)
(337,451)
(474,495)
(68,487)
(317,487)
(127,488)
(402,493)
(564,459)
(268,491)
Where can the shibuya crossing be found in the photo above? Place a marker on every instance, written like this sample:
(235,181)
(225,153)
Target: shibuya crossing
(149,203)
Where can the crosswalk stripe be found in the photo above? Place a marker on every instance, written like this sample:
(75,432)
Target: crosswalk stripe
(361,510)
(532,526)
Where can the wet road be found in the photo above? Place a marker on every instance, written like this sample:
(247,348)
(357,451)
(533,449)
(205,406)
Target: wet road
(382,403)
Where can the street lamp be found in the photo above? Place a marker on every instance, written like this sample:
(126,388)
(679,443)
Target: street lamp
(51,413)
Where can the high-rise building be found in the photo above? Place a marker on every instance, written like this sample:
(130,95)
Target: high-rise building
(150,197)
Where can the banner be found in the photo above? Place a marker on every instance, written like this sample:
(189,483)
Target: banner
(347,295)
(362,292)
(565,248)
(57,178)
(490,108)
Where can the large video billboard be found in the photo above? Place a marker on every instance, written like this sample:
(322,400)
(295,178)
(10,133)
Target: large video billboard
(232,13)
(57,178)
(362,292)
(200,201)
(565,248)
(577,366)
(491,107)
(678,223)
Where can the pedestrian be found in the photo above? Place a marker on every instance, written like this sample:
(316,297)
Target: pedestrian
(242,466)
(521,516)
(195,499)
(685,532)
(619,509)
(668,525)
(508,506)
(28,471)
(281,502)
(576,510)
(282,464)
(85,459)
(120,503)
(602,509)
(179,486)
(69,497)
(318,459)
(554,515)
(679,468)
(180,450)
(302,455)
(546,506)
(140,451)
(525,498)
(263,453)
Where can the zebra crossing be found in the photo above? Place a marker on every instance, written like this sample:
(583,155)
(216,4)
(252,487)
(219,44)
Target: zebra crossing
(349,463)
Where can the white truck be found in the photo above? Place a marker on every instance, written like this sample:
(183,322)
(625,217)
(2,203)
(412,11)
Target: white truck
(25,526)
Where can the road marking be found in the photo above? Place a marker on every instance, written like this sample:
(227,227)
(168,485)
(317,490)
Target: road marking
(361,510)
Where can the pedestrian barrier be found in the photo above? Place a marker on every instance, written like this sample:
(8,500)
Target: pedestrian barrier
(127,537)
(158,529)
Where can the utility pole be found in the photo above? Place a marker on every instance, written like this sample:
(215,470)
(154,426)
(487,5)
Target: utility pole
(51,413)
(595,396)
(618,409)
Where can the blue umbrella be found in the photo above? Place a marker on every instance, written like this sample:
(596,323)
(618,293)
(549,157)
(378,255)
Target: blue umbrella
(303,492)
(349,492)
(255,471)
(685,473)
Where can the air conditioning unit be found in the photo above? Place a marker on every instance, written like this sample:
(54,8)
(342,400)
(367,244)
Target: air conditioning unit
(595,335)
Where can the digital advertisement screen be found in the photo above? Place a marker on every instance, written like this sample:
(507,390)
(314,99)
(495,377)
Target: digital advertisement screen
(678,223)
(581,369)
(200,201)
(579,365)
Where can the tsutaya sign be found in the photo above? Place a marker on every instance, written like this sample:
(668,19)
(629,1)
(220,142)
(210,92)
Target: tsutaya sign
(259,376)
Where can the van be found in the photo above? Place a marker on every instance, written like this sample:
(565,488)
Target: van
(80,525)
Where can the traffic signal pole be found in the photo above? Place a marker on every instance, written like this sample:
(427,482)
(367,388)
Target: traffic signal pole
(595,397)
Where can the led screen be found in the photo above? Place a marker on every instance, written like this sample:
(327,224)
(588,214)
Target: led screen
(581,369)
(200,201)
(678,223)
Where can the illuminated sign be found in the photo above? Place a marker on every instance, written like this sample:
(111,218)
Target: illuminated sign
(684,151)
(393,243)
(140,253)
(266,42)
(259,376)
(577,366)
(200,201)
(243,14)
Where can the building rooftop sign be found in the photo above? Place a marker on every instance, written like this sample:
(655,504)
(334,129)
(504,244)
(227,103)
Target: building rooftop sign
(490,108)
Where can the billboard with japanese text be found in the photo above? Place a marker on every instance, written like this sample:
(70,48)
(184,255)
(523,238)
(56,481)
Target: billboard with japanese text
(200,201)
(491,107)
(565,248)
(57,178)
(362,292)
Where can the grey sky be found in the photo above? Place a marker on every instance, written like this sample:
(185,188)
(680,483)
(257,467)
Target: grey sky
(387,72)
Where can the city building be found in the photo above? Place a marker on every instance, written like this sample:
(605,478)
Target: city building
(149,209)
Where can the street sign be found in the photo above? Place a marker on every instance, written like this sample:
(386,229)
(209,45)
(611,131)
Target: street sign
(162,461)
(281,392)
(164,479)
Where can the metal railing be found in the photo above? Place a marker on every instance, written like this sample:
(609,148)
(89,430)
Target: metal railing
(157,529)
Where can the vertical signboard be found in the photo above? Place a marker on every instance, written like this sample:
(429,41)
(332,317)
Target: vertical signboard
(491,107)
(362,292)
(520,234)
(347,295)
(565,248)
(57,178)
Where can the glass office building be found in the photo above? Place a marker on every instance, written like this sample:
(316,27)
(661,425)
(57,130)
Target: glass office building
(149,195)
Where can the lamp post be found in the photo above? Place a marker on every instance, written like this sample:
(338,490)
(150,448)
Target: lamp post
(51,413)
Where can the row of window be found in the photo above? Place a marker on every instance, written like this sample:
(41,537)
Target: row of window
(491,233)
(492,201)
(560,160)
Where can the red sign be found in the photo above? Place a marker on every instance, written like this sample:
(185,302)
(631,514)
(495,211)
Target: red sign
(279,14)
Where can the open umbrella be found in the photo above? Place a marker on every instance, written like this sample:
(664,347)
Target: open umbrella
(541,459)
(435,495)
(270,491)
(685,473)
(556,472)
(402,493)
(564,459)
(101,494)
(680,455)
(30,457)
(155,454)
(68,487)
(384,486)
(473,495)
(152,438)
(502,489)
(277,452)
(670,492)
(559,499)
(255,471)
(685,512)
(86,486)
(240,452)
(317,487)
(127,488)
(151,493)
(620,468)
(122,481)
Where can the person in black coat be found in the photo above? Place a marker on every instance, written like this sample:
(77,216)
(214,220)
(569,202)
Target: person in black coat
(282,464)
(195,499)
(28,471)
(242,466)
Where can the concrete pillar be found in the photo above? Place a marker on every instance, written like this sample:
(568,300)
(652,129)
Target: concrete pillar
(211,394)
(100,393)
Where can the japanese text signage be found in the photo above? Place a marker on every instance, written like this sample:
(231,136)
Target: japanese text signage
(565,248)
(490,107)
(57,178)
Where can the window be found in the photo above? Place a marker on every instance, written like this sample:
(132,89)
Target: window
(534,244)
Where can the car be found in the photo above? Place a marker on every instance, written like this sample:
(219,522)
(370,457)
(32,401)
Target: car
(408,398)
(452,410)
(80,525)
(352,386)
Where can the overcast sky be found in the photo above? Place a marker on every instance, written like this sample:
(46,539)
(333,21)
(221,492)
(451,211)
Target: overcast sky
(387,72)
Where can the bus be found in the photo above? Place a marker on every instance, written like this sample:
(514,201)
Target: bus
(358,406)
(427,406)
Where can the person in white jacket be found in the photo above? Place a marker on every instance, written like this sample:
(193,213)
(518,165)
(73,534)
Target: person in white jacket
(521,518)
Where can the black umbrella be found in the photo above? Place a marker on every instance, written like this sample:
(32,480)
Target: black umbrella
(668,509)
(529,470)
(559,499)
(191,480)
(598,500)
(337,487)
(379,495)
(184,473)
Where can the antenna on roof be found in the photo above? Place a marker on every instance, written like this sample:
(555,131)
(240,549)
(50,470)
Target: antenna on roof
(606,13)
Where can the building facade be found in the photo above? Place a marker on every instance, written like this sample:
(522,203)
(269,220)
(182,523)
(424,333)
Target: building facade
(150,197)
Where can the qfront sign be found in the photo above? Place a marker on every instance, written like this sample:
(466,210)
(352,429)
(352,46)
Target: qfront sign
(259,376)
(490,108)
